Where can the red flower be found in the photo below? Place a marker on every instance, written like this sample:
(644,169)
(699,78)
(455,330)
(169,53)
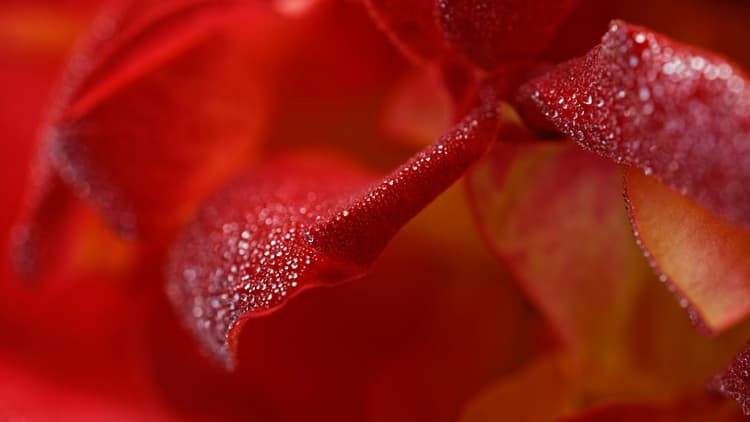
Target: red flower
(225,144)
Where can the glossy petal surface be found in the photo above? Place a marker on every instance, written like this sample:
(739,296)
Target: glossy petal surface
(294,225)
(490,32)
(676,112)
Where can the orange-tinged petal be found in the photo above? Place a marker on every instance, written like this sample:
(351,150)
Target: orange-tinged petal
(547,209)
(539,392)
(701,256)
(41,31)
(554,214)
(695,408)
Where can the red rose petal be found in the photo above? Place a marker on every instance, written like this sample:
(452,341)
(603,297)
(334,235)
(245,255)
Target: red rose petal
(404,343)
(682,114)
(294,225)
(734,382)
(489,32)
(35,237)
(703,257)
(165,102)
(547,209)
(410,25)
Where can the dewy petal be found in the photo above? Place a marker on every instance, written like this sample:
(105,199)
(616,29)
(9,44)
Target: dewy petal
(298,224)
(489,32)
(703,258)
(410,25)
(416,344)
(162,104)
(676,112)
(547,209)
(734,381)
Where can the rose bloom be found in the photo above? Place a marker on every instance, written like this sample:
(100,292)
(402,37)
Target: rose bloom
(180,177)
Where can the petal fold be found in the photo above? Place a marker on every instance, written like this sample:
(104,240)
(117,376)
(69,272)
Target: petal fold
(676,112)
(293,225)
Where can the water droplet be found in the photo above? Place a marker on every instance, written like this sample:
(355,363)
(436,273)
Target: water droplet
(644,94)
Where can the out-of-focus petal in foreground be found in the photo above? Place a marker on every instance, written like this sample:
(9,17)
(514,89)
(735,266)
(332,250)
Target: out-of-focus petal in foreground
(160,105)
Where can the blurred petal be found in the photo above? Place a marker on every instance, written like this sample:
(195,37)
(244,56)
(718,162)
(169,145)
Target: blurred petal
(87,358)
(696,408)
(418,109)
(703,259)
(547,209)
(35,37)
(717,26)
(28,28)
(164,102)
(293,225)
(539,392)
(23,392)
(37,238)
(489,32)
(554,215)
(410,25)
(676,112)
